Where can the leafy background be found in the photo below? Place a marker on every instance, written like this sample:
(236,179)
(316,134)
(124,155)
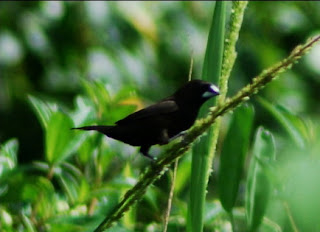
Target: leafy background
(65,64)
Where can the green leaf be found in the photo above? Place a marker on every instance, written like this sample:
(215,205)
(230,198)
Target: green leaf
(202,155)
(301,190)
(234,151)
(60,141)
(28,223)
(294,125)
(84,192)
(6,220)
(58,137)
(43,110)
(85,151)
(22,187)
(110,108)
(8,156)
(83,112)
(75,141)
(258,183)
(99,95)
(73,223)
(73,183)
(183,174)
(70,185)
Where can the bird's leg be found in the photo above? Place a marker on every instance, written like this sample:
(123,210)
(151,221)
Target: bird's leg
(164,137)
(144,151)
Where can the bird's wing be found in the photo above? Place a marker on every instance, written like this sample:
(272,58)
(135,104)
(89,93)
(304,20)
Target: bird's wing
(161,108)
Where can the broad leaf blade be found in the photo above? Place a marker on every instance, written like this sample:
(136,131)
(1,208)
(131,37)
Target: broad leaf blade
(42,109)
(202,155)
(8,155)
(258,183)
(233,155)
(58,136)
(291,123)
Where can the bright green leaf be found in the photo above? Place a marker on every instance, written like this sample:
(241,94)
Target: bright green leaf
(73,183)
(202,153)
(233,155)
(291,123)
(28,223)
(58,136)
(26,188)
(258,183)
(183,174)
(8,155)
(70,185)
(42,109)
(83,112)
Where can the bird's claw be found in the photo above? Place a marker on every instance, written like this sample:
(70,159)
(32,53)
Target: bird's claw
(181,134)
(185,141)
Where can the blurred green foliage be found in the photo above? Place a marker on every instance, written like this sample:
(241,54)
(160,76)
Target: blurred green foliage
(65,64)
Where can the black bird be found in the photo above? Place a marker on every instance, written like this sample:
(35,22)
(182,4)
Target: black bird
(162,121)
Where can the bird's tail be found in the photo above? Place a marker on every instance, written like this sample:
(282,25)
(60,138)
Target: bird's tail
(101,129)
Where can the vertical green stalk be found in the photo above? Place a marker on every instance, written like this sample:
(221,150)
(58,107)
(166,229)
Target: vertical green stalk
(232,158)
(202,157)
(204,151)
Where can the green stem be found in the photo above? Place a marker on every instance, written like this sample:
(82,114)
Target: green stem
(202,164)
(201,156)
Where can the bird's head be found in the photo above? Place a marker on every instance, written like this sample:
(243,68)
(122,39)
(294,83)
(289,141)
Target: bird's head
(196,92)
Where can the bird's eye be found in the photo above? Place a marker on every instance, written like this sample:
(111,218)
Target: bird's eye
(211,92)
(215,89)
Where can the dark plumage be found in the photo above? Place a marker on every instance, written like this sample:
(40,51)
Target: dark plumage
(162,121)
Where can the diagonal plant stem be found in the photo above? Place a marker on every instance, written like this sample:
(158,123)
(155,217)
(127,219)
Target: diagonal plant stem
(157,169)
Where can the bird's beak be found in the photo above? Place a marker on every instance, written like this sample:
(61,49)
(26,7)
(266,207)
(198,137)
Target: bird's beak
(212,91)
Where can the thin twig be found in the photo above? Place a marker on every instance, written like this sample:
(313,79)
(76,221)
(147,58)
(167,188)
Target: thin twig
(292,223)
(190,69)
(166,221)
